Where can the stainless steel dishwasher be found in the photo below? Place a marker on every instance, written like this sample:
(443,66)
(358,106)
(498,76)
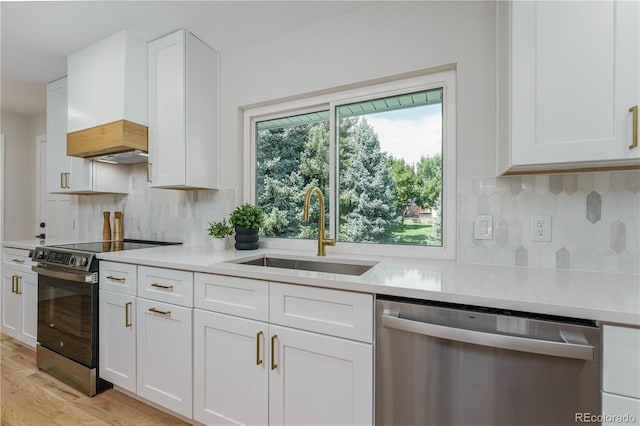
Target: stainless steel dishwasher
(441,364)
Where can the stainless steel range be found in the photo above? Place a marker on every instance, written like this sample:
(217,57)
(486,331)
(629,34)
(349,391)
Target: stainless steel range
(68,284)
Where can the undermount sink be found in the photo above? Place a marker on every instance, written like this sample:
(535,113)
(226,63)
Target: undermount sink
(309,265)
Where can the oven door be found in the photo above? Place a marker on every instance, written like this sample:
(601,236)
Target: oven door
(68,314)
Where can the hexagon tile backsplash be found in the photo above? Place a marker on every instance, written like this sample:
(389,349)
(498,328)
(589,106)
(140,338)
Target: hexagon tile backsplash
(595,220)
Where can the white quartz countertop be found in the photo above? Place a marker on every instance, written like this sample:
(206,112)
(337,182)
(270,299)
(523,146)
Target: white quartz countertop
(606,297)
(601,296)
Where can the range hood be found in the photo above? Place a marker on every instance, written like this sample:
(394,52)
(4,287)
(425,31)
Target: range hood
(121,141)
(107,100)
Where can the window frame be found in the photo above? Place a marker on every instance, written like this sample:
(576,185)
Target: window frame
(331,100)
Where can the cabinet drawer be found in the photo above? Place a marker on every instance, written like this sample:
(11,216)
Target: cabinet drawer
(118,277)
(620,410)
(166,285)
(232,295)
(17,258)
(334,312)
(620,355)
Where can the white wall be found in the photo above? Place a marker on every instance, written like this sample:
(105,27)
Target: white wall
(373,42)
(20,176)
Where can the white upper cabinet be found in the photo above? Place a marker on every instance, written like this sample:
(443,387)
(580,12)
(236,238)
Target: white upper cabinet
(67,174)
(107,82)
(568,75)
(183,112)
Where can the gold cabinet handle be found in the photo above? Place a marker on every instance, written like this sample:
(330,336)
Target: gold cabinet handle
(18,278)
(13,283)
(120,280)
(62,180)
(68,179)
(156,311)
(127,320)
(148,172)
(258,337)
(164,287)
(18,260)
(634,136)
(273,345)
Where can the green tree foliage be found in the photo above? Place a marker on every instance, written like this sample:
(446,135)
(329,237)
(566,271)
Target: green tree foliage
(374,189)
(429,176)
(405,189)
(367,206)
(290,159)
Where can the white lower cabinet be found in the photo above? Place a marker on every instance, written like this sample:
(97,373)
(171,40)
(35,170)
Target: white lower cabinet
(20,305)
(164,355)
(250,372)
(231,370)
(319,380)
(620,375)
(118,339)
(620,410)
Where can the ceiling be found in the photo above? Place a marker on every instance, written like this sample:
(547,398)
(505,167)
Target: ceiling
(36,37)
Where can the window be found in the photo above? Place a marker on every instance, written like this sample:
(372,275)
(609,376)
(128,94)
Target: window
(383,156)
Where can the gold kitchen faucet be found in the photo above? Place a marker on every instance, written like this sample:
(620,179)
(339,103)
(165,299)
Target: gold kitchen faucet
(322,241)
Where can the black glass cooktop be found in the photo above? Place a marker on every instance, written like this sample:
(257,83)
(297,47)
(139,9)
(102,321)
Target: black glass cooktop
(105,246)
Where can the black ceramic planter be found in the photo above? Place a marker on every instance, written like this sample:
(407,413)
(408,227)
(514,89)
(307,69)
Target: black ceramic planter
(246,238)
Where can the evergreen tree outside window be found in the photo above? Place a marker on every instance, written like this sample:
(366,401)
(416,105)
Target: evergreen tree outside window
(390,169)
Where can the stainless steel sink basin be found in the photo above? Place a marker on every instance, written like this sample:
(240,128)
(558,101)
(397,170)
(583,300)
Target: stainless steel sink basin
(309,265)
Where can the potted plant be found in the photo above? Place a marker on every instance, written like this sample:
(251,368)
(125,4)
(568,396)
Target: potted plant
(220,232)
(247,220)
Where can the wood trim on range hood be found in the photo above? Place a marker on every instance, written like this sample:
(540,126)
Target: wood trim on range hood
(111,138)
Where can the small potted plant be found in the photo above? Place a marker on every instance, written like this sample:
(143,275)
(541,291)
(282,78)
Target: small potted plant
(220,232)
(247,220)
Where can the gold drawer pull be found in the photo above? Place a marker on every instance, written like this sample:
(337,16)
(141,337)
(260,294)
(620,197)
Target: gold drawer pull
(258,336)
(18,260)
(120,280)
(273,345)
(634,137)
(156,311)
(127,320)
(165,287)
(13,283)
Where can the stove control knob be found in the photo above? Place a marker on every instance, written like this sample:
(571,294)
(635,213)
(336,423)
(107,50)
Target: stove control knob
(81,261)
(72,260)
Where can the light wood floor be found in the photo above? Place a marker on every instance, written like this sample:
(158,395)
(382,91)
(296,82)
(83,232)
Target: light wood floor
(32,397)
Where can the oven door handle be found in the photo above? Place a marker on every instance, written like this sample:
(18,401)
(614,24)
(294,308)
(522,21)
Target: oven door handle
(523,344)
(68,276)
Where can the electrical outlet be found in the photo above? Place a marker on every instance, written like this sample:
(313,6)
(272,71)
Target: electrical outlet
(540,228)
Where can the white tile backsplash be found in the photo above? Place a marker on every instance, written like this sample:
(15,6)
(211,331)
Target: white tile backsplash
(596,220)
(156,214)
(596,217)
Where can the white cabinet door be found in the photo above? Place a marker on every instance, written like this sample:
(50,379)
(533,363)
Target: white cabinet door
(164,358)
(20,305)
(73,174)
(183,112)
(11,304)
(59,164)
(620,360)
(320,380)
(117,334)
(231,365)
(575,72)
(28,287)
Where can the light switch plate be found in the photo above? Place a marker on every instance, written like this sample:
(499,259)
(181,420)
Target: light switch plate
(483,227)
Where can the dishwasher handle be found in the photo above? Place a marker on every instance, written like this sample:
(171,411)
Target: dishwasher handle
(522,344)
